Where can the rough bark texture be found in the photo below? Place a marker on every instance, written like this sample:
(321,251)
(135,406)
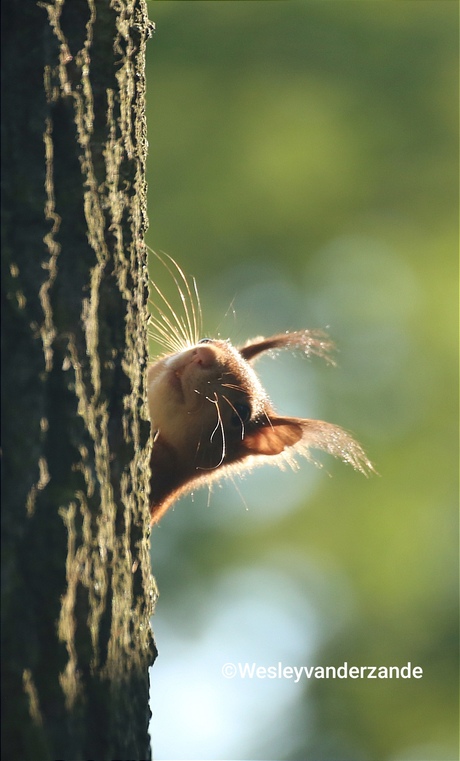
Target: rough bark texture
(77,591)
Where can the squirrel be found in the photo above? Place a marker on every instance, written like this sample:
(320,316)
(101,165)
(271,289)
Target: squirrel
(210,414)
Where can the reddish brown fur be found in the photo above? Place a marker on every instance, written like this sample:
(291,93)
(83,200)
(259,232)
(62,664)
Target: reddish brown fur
(210,416)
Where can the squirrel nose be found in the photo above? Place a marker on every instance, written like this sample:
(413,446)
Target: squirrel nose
(204,356)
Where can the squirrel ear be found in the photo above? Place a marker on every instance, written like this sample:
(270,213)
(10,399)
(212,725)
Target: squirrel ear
(273,437)
(276,434)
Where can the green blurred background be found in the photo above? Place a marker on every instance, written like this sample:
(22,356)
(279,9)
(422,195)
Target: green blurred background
(303,167)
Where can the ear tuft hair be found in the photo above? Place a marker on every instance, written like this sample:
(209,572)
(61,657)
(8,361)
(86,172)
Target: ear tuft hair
(278,434)
(310,342)
(335,441)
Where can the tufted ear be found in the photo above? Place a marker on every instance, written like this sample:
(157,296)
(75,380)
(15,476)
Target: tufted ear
(273,436)
(310,342)
(276,434)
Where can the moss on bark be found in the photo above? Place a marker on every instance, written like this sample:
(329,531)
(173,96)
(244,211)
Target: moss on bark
(77,591)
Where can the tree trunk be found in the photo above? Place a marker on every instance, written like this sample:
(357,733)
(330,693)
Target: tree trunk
(77,591)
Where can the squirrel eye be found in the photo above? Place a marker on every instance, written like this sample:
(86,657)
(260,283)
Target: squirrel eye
(205,341)
(242,414)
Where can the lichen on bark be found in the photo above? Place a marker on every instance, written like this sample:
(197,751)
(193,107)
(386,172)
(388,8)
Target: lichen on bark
(78,587)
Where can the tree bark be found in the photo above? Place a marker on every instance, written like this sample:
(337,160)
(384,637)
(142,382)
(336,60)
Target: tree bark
(77,591)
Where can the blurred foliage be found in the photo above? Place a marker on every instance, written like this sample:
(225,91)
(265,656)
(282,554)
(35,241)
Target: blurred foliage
(303,166)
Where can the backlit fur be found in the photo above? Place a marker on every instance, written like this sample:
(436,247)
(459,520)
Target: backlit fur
(209,412)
